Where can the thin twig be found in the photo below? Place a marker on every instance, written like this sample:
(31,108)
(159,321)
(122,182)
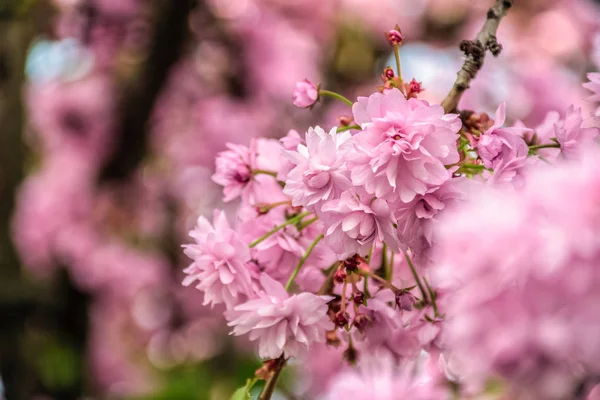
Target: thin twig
(475,52)
(269,388)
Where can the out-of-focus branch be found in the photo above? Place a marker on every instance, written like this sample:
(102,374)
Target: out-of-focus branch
(269,388)
(138,101)
(475,52)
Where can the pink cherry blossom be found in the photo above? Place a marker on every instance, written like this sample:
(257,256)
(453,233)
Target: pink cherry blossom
(234,172)
(404,146)
(594,86)
(503,149)
(379,377)
(320,172)
(570,134)
(416,219)
(356,221)
(219,262)
(283,324)
(521,270)
(305,94)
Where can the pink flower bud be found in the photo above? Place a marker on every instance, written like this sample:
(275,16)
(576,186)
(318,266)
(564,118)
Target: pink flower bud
(388,73)
(339,276)
(405,300)
(305,94)
(358,297)
(394,36)
(361,321)
(345,120)
(351,265)
(413,88)
(341,319)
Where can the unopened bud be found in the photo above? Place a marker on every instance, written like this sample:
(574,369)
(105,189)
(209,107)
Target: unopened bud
(358,297)
(305,94)
(262,209)
(350,355)
(340,276)
(388,73)
(413,88)
(345,120)
(351,264)
(361,321)
(341,319)
(405,300)
(394,36)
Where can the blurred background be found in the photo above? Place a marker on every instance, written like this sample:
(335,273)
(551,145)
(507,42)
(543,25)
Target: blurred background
(111,113)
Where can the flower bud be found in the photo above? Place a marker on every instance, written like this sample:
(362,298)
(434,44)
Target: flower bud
(341,319)
(394,36)
(388,73)
(340,276)
(350,355)
(351,265)
(358,297)
(405,300)
(361,321)
(413,88)
(305,94)
(345,120)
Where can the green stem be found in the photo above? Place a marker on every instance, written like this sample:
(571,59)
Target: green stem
(370,253)
(432,296)
(384,265)
(335,96)
(390,270)
(307,223)
(290,221)
(544,146)
(264,171)
(417,279)
(347,128)
(302,261)
(399,67)
(380,279)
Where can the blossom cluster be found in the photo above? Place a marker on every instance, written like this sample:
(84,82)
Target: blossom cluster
(405,231)
(345,218)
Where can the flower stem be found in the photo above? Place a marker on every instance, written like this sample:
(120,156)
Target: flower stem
(302,261)
(384,265)
(380,279)
(399,67)
(390,270)
(307,223)
(264,171)
(544,146)
(269,388)
(290,221)
(417,279)
(347,128)
(433,298)
(335,96)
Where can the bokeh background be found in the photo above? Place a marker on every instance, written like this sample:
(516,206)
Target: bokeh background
(111,113)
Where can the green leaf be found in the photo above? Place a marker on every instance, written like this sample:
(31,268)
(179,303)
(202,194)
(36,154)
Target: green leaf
(243,393)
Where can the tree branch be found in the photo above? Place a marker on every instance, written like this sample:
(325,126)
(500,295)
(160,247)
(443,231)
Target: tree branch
(269,388)
(138,101)
(475,52)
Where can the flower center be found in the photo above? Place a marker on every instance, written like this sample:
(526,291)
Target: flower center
(316,179)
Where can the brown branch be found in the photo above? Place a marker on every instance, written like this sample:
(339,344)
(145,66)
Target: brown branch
(138,100)
(475,52)
(269,388)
